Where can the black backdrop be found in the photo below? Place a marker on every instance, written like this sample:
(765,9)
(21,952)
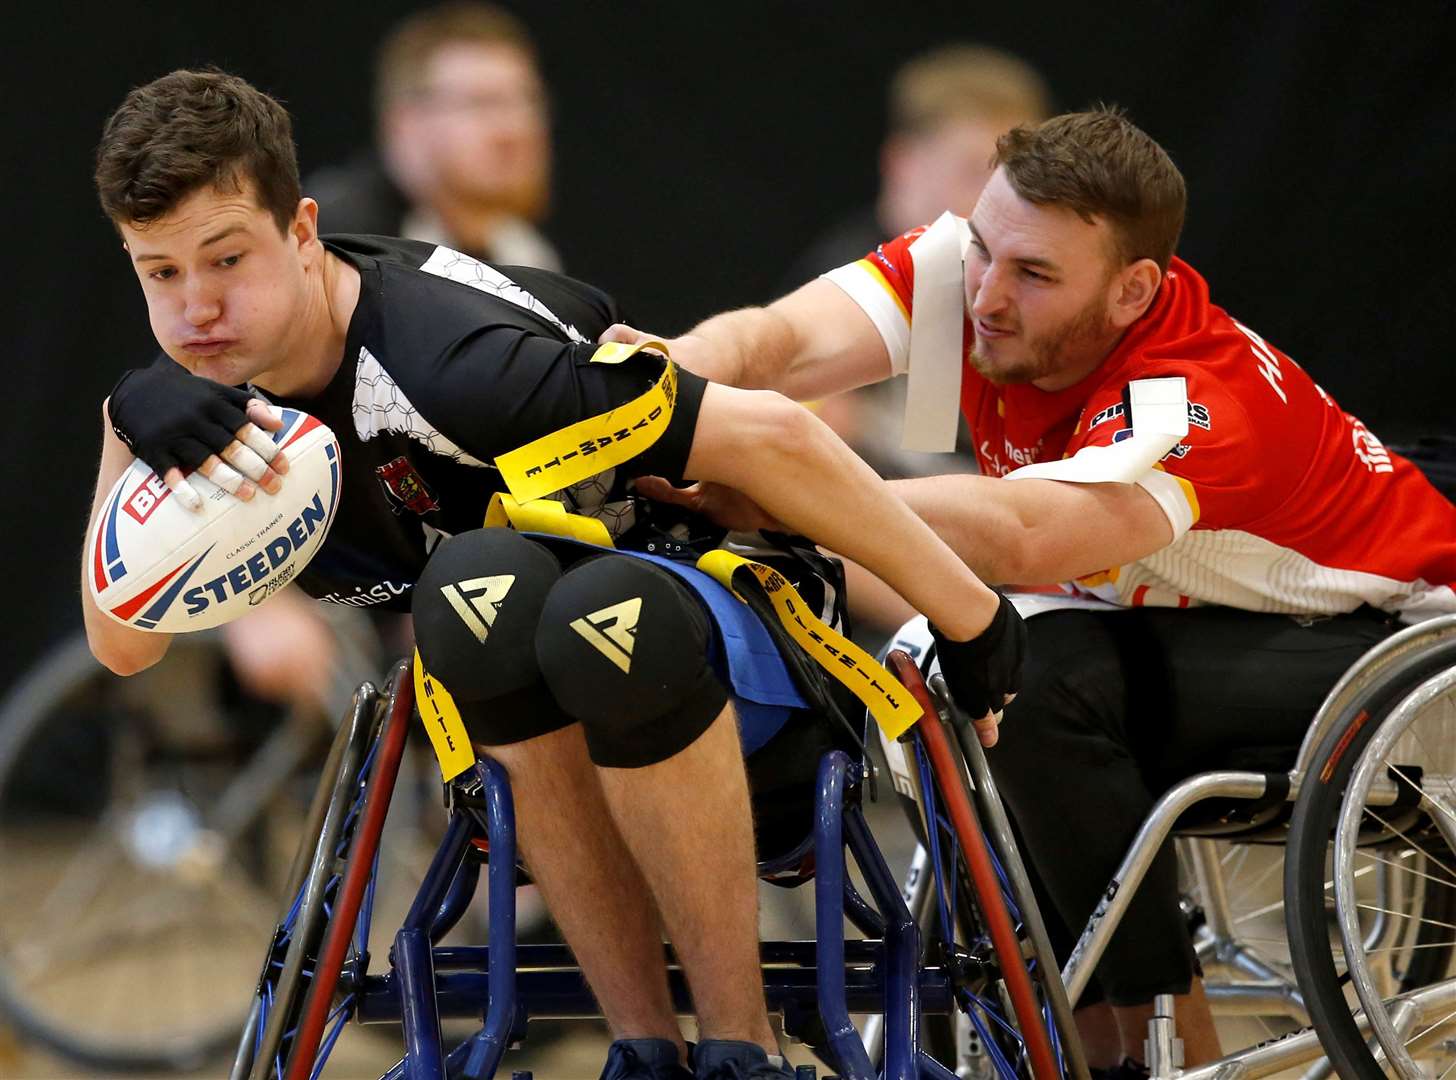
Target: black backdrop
(699,148)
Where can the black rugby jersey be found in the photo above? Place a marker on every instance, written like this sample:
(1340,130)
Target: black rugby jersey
(450,362)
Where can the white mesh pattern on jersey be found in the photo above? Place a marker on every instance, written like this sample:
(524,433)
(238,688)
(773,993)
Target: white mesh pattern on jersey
(1239,569)
(380,405)
(447,263)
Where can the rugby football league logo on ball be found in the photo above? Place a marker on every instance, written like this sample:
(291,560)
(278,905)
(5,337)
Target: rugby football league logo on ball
(155,565)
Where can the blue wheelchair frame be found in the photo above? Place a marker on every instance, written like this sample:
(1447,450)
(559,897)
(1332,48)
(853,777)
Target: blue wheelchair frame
(506,983)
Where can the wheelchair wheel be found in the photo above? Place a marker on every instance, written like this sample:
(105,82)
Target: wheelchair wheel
(324,929)
(313,884)
(1410,755)
(1006,982)
(140,820)
(1396,842)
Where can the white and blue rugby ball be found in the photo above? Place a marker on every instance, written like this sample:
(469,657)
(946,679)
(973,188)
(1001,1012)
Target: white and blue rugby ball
(155,565)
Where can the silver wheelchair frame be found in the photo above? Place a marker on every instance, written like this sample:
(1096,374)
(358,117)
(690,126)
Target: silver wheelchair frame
(1258,987)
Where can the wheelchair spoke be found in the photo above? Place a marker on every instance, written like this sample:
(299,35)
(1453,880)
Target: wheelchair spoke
(1404,915)
(1410,870)
(82,880)
(1277,905)
(1403,775)
(1274,867)
(1407,948)
(1408,839)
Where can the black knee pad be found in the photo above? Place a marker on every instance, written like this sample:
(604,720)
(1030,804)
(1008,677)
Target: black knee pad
(476,606)
(623,647)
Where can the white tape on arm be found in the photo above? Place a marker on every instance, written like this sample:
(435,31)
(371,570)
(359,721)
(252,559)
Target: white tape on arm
(937,337)
(1159,419)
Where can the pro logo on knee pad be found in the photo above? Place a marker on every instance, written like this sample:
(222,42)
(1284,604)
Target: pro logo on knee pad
(478,600)
(476,606)
(612,631)
(624,648)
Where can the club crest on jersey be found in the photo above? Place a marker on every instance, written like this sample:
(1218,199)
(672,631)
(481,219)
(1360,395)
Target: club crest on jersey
(404,487)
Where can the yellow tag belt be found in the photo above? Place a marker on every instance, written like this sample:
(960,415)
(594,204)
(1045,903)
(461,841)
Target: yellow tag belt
(602,442)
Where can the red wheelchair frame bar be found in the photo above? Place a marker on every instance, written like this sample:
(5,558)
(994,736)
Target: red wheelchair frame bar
(951,781)
(972,842)
(357,873)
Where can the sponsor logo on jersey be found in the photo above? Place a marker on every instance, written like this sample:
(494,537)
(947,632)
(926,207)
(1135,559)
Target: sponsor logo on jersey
(1197,416)
(256,569)
(1016,456)
(405,488)
(379,593)
(1112,412)
(612,631)
(478,601)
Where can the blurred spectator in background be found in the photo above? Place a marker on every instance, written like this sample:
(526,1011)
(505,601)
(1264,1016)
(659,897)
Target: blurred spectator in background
(946,108)
(464,152)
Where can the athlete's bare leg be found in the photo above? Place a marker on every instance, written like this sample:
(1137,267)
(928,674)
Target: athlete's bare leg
(590,882)
(688,822)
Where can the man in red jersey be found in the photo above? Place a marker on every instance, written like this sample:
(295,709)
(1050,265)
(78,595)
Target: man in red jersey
(1227,540)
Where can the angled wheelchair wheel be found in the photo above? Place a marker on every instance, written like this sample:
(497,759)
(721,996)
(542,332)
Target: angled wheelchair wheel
(1370,916)
(313,885)
(141,824)
(295,1016)
(1012,1006)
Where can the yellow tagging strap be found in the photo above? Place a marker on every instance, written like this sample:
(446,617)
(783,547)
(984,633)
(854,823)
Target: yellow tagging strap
(599,443)
(544,516)
(442,723)
(892,706)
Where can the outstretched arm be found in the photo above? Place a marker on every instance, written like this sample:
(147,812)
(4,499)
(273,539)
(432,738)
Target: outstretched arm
(1038,532)
(791,464)
(814,342)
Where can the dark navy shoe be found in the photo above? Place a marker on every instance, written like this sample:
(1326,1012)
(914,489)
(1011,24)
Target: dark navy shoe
(729,1059)
(644,1059)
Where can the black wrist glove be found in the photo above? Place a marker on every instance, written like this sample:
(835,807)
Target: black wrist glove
(168,416)
(982,671)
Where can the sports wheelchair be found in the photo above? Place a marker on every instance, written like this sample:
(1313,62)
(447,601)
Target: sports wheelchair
(954,965)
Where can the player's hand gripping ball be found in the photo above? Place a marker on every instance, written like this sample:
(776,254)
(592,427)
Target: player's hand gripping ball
(153,564)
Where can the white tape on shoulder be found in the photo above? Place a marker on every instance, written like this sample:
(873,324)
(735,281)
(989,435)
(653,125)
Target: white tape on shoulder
(1159,409)
(937,332)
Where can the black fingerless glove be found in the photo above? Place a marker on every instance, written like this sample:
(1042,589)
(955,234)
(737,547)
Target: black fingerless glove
(168,416)
(982,671)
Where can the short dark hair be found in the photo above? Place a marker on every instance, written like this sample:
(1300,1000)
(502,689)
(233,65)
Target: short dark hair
(1100,164)
(190,130)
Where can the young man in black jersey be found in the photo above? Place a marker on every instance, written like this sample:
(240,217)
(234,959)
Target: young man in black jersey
(428,365)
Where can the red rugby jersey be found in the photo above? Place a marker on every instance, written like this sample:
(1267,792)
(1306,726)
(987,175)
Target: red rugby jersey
(1279,500)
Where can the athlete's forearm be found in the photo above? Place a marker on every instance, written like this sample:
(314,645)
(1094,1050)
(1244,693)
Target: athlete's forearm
(967,512)
(753,348)
(798,470)
(122,649)
(1037,532)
